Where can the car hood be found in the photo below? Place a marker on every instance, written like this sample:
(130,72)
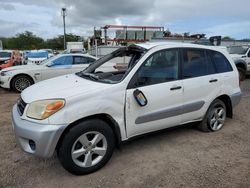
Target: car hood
(236,56)
(4,58)
(24,67)
(62,87)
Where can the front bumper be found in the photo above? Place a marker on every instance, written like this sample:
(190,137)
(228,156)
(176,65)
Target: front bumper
(35,138)
(5,81)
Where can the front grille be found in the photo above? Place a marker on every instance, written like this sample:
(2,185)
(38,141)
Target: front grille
(21,106)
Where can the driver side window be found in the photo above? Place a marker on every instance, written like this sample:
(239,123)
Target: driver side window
(160,67)
(64,60)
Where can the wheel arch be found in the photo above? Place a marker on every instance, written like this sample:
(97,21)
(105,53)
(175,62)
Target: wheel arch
(227,101)
(240,63)
(21,74)
(105,117)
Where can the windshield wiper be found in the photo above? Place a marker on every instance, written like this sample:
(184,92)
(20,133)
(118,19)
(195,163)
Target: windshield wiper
(89,75)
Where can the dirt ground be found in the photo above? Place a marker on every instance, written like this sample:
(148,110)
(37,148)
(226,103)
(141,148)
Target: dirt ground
(180,157)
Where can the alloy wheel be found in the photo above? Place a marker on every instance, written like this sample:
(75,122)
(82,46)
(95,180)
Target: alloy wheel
(22,83)
(89,149)
(217,118)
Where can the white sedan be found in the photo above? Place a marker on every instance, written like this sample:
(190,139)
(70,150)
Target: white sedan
(20,77)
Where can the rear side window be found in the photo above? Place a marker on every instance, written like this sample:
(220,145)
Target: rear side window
(80,60)
(195,63)
(91,60)
(220,61)
(83,60)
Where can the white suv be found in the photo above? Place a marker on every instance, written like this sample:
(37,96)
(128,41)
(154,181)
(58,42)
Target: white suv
(83,116)
(241,57)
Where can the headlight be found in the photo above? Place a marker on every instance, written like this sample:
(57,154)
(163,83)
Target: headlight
(44,108)
(5,73)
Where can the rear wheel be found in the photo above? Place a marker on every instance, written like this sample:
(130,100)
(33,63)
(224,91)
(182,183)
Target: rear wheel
(242,73)
(87,147)
(214,118)
(21,82)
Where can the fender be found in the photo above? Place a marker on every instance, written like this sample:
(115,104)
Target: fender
(241,62)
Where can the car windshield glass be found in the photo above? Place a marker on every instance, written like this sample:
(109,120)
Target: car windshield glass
(5,54)
(237,49)
(113,67)
(47,61)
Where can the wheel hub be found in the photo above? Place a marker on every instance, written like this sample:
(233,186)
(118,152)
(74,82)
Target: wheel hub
(89,149)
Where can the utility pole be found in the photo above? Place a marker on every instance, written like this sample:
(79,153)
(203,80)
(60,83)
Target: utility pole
(64,14)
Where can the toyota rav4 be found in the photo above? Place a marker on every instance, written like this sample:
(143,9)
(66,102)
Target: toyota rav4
(83,116)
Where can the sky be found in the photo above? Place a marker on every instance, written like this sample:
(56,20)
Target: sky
(44,19)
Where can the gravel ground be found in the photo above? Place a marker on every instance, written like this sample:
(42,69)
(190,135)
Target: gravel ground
(179,157)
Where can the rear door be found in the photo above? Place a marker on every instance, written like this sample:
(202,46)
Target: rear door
(80,63)
(228,78)
(157,81)
(201,83)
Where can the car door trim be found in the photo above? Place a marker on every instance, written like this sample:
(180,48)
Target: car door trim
(170,112)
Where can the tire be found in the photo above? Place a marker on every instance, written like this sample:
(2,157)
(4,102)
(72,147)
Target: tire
(21,82)
(242,74)
(215,117)
(79,154)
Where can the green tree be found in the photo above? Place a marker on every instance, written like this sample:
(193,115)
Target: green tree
(29,41)
(24,41)
(57,42)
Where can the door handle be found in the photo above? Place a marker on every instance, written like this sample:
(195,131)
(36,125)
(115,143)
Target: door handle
(213,80)
(175,88)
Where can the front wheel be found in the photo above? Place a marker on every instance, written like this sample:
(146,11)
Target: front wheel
(214,118)
(87,147)
(21,82)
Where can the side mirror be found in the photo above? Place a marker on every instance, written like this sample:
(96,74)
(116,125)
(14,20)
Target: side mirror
(140,98)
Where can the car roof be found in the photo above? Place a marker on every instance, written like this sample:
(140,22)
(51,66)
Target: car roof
(78,54)
(149,45)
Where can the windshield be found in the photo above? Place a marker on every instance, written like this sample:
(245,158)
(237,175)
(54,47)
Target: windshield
(237,49)
(48,60)
(113,67)
(5,54)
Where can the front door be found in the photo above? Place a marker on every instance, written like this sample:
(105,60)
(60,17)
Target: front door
(60,66)
(157,80)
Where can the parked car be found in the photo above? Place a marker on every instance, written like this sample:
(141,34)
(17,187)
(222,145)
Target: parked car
(83,116)
(36,57)
(9,58)
(241,56)
(20,77)
(50,52)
